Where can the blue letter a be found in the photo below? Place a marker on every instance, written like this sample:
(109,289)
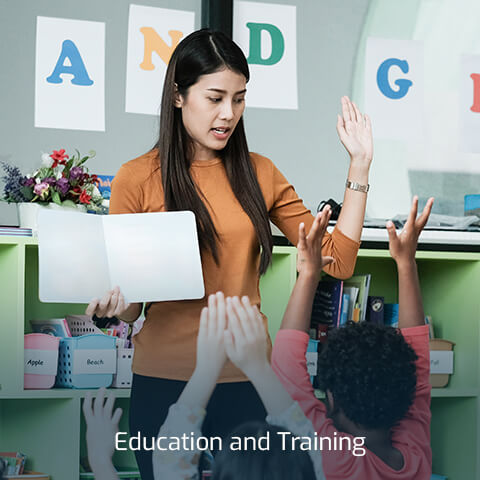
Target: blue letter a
(76,68)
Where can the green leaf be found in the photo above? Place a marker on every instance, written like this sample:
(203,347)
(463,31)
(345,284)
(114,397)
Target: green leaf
(68,203)
(27,192)
(56,198)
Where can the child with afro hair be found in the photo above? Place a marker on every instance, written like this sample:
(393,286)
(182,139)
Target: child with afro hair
(375,378)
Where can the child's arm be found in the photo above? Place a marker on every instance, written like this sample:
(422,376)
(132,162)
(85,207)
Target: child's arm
(211,354)
(402,249)
(187,414)
(309,265)
(246,346)
(102,427)
(415,427)
(288,356)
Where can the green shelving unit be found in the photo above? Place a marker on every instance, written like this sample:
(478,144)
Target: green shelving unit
(47,425)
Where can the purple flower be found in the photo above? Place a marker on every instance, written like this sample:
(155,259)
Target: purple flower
(49,180)
(28,182)
(76,173)
(62,185)
(40,188)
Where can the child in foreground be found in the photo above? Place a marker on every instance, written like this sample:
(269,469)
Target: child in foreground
(244,342)
(376,379)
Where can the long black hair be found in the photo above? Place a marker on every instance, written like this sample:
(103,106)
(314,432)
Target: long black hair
(277,463)
(201,53)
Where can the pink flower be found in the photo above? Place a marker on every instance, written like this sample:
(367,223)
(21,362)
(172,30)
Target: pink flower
(41,188)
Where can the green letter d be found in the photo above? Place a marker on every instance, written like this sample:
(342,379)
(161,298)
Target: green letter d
(278,44)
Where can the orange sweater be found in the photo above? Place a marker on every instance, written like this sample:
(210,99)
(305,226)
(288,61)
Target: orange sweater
(166,345)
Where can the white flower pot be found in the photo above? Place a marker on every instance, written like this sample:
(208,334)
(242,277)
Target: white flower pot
(28,212)
(27,215)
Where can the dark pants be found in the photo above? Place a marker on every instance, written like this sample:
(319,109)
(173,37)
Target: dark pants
(230,405)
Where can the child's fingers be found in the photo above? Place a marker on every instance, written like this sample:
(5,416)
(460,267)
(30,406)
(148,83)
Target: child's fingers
(229,344)
(242,315)
(302,238)
(212,314)
(324,222)
(87,407)
(202,331)
(233,322)
(109,404)
(221,314)
(98,403)
(413,212)
(327,261)
(392,232)
(259,322)
(117,415)
(249,309)
(312,234)
(423,218)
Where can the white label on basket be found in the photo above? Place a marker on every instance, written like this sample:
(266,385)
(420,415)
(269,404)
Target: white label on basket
(40,362)
(312,358)
(441,361)
(94,361)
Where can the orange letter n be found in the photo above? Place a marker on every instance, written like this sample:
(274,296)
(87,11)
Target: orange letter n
(154,43)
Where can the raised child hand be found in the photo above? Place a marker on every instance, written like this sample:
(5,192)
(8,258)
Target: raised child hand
(309,247)
(102,426)
(404,245)
(246,338)
(211,354)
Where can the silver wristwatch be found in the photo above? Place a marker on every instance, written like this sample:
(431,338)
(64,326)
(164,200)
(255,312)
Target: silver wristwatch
(358,187)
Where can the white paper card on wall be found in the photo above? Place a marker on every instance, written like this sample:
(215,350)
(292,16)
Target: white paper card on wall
(469,105)
(394,88)
(70,74)
(94,361)
(267,34)
(40,362)
(153,34)
(441,361)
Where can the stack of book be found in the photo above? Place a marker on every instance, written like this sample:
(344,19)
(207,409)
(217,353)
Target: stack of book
(16,231)
(338,302)
(14,461)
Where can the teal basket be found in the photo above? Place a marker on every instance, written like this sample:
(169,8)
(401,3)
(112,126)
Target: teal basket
(70,355)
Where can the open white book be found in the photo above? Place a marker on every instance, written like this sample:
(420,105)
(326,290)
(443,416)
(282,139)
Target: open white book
(150,256)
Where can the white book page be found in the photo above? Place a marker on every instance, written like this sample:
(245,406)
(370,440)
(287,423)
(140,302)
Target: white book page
(154,256)
(72,260)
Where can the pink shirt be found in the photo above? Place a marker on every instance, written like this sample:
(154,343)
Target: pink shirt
(411,436)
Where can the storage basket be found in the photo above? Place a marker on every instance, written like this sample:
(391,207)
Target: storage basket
(441,362)
(123,377)
(81,325)
(88,361)
(40,360)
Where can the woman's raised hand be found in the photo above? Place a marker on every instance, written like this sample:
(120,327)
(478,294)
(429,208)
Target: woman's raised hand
(355,132)
(110,305)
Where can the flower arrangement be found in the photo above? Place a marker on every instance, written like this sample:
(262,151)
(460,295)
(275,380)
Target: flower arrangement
(61,179)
